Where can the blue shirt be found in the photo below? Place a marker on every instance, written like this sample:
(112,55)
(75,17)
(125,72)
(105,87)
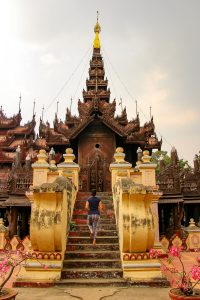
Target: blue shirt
(93,206)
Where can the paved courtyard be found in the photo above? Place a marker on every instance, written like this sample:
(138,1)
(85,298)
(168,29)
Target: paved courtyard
(108,293)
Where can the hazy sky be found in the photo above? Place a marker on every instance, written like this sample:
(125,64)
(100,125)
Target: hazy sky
(151,53)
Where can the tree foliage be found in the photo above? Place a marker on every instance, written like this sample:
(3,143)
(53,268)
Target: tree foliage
(167,160)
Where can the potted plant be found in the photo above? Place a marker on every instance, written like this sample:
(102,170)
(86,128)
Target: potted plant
(185,282)
(9,261)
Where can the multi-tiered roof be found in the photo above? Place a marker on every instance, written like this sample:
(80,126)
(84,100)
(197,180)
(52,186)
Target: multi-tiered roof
(12,135)
(96,104)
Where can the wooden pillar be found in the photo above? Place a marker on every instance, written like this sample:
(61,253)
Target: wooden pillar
(25,220)
(12,219)
(3,234)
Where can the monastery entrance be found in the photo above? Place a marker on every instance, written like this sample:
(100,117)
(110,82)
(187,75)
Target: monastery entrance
(97,170)
(95,153)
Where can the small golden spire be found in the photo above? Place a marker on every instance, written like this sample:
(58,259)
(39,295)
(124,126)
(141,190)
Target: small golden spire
(97,30)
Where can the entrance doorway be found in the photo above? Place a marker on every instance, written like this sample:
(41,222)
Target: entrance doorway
(96,148)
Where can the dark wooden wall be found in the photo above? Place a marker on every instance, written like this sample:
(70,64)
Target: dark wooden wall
(96,147)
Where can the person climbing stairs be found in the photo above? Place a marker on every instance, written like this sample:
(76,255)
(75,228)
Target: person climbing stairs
(90,264)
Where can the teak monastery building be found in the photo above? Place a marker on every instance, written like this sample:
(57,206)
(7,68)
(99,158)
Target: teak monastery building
(93,135)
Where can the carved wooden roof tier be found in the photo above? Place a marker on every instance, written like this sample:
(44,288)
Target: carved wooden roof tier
(173,180)
(27,129)
(50,136)
(9,123)
(12,134)
(96,104)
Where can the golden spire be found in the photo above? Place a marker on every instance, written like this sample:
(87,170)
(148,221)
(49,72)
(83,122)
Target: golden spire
(97,30)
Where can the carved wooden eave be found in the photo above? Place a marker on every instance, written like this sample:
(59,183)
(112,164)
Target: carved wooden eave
(81,126)
(101,94)
(113,125)
(27,129)
(21,130)
(107,109)
(99,82)
(71,120)
(122,119)
(169,179)
(190,181)
(51,136)
(44,129)
(40,143)
(84,109)
(172,180)
(173,170)
(5,158)
(95,106)
(132,126)
(8,123)
(61,128)
(7,141)
(55,138)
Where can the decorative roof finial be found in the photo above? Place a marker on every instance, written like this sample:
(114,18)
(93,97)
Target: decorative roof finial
(57,108)
(120,103)
(42,112)
(97,30)
(20,100)
(136,107)
(33,107)
(150,108)
(71,104)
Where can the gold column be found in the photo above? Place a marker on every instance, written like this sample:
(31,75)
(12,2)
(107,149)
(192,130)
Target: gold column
(69,168)
(40,169)
(119,166)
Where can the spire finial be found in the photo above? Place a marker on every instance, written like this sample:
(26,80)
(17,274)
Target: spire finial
(71,104)
(20,100)
(57,107)
(42,112)
(33,107)
(136,107)
(97,30)
(120,103)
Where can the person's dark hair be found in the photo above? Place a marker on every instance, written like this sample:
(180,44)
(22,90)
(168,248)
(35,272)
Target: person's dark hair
(93,192)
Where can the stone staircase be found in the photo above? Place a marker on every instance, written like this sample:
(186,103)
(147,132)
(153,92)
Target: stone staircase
(87,264)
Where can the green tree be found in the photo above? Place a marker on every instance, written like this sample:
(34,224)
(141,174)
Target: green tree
(167,160)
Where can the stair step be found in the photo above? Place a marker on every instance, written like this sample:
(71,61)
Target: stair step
(79,220)
(92,273)
(89,247)
(84,227)
(81,205)
(86,233)
(93,282)
(89,264)
(92,263)
(84,212)
(98,193)
(87,240)
(106,199)
(84,216)
(92,254)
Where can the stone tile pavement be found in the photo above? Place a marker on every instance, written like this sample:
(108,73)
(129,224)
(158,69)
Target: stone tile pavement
(91,293)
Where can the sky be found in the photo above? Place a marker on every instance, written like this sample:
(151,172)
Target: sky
(150,49)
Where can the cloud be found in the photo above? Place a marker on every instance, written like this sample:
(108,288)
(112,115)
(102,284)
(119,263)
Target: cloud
(182,118)
(49,59)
